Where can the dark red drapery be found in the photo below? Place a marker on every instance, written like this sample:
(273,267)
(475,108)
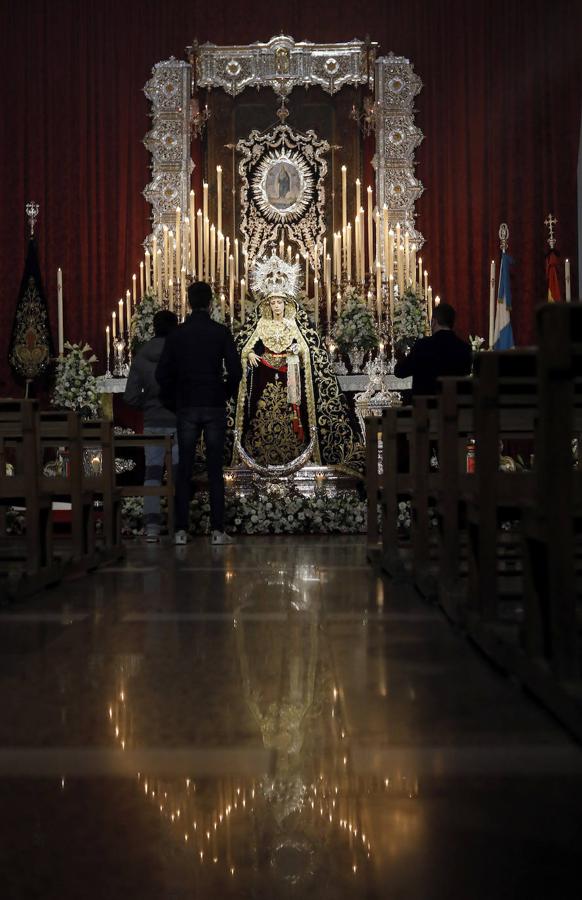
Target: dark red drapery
(500,110)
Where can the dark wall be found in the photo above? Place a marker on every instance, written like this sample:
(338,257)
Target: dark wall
(500,109)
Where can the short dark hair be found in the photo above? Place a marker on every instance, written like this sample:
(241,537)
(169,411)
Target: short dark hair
(444,315)
(164,321)
(199,295)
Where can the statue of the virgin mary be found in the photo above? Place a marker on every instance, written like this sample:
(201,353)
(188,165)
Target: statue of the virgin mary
(289,408)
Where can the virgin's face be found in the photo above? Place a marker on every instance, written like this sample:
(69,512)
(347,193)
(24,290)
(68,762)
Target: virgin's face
(277,307)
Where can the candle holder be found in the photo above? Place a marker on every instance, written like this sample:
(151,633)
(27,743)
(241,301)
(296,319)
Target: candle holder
(108,370)
(119,363)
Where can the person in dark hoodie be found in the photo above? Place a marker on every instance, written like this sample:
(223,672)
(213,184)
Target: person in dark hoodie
(443,353)
(143,391)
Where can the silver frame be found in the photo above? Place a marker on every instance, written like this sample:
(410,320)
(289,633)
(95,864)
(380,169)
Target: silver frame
(283,64)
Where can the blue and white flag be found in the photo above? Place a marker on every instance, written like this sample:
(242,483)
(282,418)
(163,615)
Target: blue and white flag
(503,334)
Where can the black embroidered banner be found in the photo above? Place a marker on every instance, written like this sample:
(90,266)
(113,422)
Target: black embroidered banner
(31,345)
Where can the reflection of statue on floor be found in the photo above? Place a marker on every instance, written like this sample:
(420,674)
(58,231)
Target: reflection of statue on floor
(289,397)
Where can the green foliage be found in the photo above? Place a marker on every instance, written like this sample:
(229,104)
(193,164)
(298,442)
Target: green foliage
(142,321)
(410,321)
(355,327)
(75,384)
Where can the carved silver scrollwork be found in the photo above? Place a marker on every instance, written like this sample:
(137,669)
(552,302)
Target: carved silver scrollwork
(282,64)
(397,138)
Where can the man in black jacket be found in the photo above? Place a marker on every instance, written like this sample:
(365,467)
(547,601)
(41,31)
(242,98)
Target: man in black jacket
(190,374)
(143,391)
(432,357)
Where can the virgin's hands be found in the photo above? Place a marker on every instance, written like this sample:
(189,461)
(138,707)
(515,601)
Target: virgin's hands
(253,359)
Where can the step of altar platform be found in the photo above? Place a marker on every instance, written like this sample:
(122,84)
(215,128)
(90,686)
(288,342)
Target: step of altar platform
(307,480)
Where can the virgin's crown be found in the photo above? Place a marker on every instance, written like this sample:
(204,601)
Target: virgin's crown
(273,276)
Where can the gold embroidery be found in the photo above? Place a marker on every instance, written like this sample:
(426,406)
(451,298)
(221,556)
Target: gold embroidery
(270,438)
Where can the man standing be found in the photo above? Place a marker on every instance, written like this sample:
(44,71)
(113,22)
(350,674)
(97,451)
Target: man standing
(143,391)
(433,357)
(191,377)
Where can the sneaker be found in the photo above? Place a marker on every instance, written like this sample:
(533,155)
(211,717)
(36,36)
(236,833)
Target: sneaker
(221,537)
(180,537)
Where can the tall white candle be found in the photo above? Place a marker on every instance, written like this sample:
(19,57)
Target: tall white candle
(170,267)
(231,287)
(568,280)
(107,341)
(220,261)
(370,240)
(147,271)
(406,259)
(60,313)
(349,252)
(391,297)
(413,266)
(316,301)
(120,318)
(236,259)
(128,310)
(491,303)
(166,254)
(219,198)
(379,292)
(243,294)
(134,288)
(171,295)
(160,285)
(344,197)
(178,240)
(155,263)
(200,271)
(212,254)
(114,324)
(206,227)
(183,292)
(141,281)
(358,195)
(193,233)
(328,287)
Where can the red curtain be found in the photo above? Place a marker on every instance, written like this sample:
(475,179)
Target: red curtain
(500,110)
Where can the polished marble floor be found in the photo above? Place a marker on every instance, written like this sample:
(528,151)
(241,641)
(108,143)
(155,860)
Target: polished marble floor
(270,720)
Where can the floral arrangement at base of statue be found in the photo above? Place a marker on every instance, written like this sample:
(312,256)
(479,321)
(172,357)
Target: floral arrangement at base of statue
(274,509)
(410,321)
(355,328)
(75,384)
(142,321)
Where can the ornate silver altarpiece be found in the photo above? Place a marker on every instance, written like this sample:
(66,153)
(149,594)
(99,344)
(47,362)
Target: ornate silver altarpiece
(282,65)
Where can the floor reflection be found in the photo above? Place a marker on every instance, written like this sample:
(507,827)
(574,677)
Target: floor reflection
(306,822)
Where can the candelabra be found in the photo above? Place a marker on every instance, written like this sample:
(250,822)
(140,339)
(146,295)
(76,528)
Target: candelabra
(120,368)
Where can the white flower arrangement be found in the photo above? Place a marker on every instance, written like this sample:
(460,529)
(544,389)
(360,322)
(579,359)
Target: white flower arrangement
(355,326)
(410,321)
(75,384)
(477,342)
(142,321)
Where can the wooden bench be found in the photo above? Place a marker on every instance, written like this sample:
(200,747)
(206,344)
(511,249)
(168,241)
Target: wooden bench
(98,435)
(133,441)
(33,566)
(395,483)
(373,429)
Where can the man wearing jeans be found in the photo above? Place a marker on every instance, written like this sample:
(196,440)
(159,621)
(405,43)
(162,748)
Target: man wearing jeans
(191,378)
(143,391)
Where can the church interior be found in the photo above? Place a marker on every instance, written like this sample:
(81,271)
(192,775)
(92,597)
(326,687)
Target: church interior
(290,450)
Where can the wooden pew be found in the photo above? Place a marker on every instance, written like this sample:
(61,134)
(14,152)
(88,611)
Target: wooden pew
(19,445)
(62,428)
(505,408)
(133,441)
(373,426)
(98,435)
(424,439)
(396,483)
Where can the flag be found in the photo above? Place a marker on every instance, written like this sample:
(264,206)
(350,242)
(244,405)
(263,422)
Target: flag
(503,334)
(552,279)
(31,345)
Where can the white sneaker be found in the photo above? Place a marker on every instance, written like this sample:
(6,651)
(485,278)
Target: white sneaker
(221,537)
(180,537)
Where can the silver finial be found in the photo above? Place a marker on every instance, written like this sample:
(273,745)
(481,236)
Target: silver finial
(503,236)
(32,209)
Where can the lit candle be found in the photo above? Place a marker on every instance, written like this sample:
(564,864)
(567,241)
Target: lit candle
(183,291)
(220,262)
(357,247)
(491,303)
(170,269)
(429,303)
(358,197)
(328,287)
(236,259)
(222,305)
(231,287)
(60,313)
(377,237)
(390,260)
(120,318)
(339,303)
(155,262)
(281,248)
(420,273)
(370,301)
(147,271)
(413,266)
(437,300)
(379,292)
(400,269)
(212,254)
(568,280)
(141,281)
(200,272)
(243,292)
(160,285)
(186,244)
(171,295)
(407,259)
(349,251)
(114,324)
(193,233)
(134,288)
(370,241)
(391,297)
(288,253)
(107,341)
(128,310)
(219,198)
(206,228)
(323,260)
(361,219)
(166,253)
(316,302)
(344,197)
(385,235)
(178,240)
(227,256)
